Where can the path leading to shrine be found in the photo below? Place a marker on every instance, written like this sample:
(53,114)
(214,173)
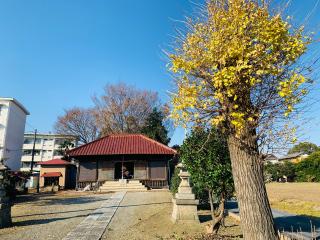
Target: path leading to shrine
(93,226)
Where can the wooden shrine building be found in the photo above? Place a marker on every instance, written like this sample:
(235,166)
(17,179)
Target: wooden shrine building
(123,156)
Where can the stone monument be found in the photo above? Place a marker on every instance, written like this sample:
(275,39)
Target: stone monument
(184,202)
(5,205)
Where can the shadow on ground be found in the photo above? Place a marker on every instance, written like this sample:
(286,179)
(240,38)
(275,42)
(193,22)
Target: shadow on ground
(287,222)
(50,213)
(44,221)
(53,199)
(297,223)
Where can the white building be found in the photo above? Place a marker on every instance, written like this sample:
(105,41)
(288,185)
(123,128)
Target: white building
(271,158)
(12,124)
(47,147)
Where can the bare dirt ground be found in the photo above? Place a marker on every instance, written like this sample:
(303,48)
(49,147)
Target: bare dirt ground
(147,216)
(141,216)
(298,198)
(50,216)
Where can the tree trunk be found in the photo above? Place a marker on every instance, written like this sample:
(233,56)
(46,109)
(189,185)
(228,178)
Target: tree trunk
(211,203)
(247,169)
(219,219)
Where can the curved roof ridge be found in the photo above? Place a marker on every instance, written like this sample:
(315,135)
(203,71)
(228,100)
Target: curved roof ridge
(55,161)
(123,143)
(86,144)
(156,142)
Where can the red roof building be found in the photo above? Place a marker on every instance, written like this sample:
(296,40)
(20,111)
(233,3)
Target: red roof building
(132,156)
(122,144)
(57,172)
(55,162)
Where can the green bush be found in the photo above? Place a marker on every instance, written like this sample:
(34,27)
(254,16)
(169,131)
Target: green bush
(308,170)
(175,181)
(278,170)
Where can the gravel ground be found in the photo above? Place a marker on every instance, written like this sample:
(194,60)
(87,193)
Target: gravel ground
(147,216)
(140,216)
(50,216)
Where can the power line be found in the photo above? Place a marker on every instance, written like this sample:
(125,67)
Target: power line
(31,126)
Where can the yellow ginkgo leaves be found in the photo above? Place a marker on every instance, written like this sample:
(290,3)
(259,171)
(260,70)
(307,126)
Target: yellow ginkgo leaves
(227,60)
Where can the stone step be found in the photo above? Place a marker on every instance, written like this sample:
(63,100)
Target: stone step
(136,187)
(117,183)
(123,190)
(129,182)
(120,185)
(116,186)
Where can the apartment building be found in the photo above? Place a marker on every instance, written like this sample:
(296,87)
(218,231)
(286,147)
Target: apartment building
(12,125)
(47,147)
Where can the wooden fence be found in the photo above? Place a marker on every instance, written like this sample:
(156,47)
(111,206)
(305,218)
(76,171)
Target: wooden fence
(154,183)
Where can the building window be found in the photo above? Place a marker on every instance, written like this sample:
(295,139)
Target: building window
(58,153)
(30,140)
(25,164)
(59,141)
(47,142)
(49,181)
(29,152)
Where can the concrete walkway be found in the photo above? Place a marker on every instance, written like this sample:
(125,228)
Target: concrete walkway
(289,223)
(94,225)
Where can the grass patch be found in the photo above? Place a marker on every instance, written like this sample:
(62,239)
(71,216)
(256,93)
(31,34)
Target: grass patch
(297,198)
(297,207)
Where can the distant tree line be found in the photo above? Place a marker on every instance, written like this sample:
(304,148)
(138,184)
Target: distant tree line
(307,170)
(304,147)
(120,109)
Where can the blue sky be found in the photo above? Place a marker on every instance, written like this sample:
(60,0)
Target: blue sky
(57,54)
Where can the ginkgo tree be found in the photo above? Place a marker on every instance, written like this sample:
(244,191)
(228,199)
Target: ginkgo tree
(236,69)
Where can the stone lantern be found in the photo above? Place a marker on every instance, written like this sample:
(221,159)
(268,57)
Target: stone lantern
(184,203)
(5,205)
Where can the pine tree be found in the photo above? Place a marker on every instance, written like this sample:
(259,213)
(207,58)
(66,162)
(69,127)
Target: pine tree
(154,127)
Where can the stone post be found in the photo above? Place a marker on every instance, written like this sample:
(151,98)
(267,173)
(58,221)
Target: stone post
(184,203)
(5,205)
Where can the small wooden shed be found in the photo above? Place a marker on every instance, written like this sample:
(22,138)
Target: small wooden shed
(123,156)
(57,172)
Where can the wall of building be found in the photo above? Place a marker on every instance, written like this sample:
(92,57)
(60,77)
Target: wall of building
(145,167)
(140,169)
(106,170)
(12,120)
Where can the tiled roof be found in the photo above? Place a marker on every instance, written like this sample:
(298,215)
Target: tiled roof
(122,144)
(52,174)
(292,155)
(55,162)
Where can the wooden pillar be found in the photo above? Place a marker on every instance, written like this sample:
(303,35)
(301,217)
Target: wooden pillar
(97,172)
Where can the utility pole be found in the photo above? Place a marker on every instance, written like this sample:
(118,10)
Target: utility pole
(32,159)
(33,149)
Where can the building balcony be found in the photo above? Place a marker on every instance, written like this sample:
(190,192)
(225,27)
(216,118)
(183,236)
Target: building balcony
(27,169)
(30,146)
(27,158)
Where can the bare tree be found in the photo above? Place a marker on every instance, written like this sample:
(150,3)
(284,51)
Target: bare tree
(80,122)
(123,108)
